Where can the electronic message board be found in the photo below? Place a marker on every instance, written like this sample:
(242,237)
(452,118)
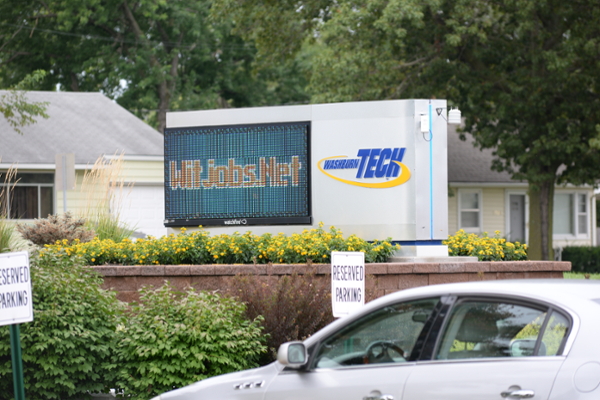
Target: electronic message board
(238,175)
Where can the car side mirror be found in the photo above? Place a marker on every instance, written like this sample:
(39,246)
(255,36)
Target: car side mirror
(292,354)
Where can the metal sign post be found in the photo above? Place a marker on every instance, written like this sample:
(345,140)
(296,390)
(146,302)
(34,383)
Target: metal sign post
(65,174)
(17,362)
(15,307)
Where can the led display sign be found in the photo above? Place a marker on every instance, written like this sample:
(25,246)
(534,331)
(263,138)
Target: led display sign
(238,175)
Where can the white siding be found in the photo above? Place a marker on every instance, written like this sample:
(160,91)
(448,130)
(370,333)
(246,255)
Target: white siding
(143,171)
(493,211)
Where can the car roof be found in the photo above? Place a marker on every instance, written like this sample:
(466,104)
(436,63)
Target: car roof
(582,288)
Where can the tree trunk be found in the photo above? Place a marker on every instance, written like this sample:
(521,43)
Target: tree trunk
(74,82)
(164,98)
(166,82)
(541,204)
(166,88)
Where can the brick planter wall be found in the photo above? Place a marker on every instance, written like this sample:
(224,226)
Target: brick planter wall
(382,278)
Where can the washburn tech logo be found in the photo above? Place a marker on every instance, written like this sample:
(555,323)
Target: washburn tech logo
(382,163)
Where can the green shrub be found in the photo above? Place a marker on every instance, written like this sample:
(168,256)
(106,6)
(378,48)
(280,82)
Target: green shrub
(293,307)
(64,227)
(583,258)
(67,348)
(485,248)
(170,340)
(199,247)
(107,226)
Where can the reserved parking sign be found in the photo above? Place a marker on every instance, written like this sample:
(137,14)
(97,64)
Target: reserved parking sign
(16,304)
(347,282)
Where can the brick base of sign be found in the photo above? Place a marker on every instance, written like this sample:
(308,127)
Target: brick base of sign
(381,278)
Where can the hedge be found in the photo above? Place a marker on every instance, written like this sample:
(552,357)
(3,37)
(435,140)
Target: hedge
(583,258)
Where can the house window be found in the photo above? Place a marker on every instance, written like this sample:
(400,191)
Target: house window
(27,196)
(469,212)
(570,215)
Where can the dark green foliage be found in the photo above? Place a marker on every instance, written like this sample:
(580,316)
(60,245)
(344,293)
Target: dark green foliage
(67,347)
(171,339)
(583,258)
(64,227)
(293,307)
(171,55)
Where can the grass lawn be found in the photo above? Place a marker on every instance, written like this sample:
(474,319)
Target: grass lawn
(580,275)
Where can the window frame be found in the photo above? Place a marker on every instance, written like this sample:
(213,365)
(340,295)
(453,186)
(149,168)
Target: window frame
(8,187)
(479,210)
(575,196)
(549,309)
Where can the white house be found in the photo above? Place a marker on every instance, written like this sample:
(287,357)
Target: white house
(91,127)
(482,200)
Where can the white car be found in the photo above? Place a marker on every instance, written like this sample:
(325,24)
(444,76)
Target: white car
(516,339)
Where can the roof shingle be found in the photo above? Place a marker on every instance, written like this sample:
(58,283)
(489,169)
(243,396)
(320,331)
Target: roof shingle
(86,124)
(469,164)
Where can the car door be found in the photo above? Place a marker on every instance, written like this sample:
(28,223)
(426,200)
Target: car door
(370,358)
(491,349)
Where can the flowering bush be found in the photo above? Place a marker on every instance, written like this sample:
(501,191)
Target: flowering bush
(199,247)
(485,248)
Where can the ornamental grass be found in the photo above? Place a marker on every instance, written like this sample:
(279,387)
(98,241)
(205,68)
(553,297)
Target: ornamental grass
(485,248)
(198,247)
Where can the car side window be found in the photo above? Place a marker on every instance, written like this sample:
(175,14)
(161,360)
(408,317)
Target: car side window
(482,329)
(387,335)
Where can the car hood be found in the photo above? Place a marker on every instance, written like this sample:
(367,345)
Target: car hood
(252,381)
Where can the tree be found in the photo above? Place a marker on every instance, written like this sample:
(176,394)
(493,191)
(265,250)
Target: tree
(525,74)
(529,87)
(359,49)
(152,56)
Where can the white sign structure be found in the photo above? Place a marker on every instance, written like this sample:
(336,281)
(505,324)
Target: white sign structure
(374,171)
(16,304)
(347,282)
